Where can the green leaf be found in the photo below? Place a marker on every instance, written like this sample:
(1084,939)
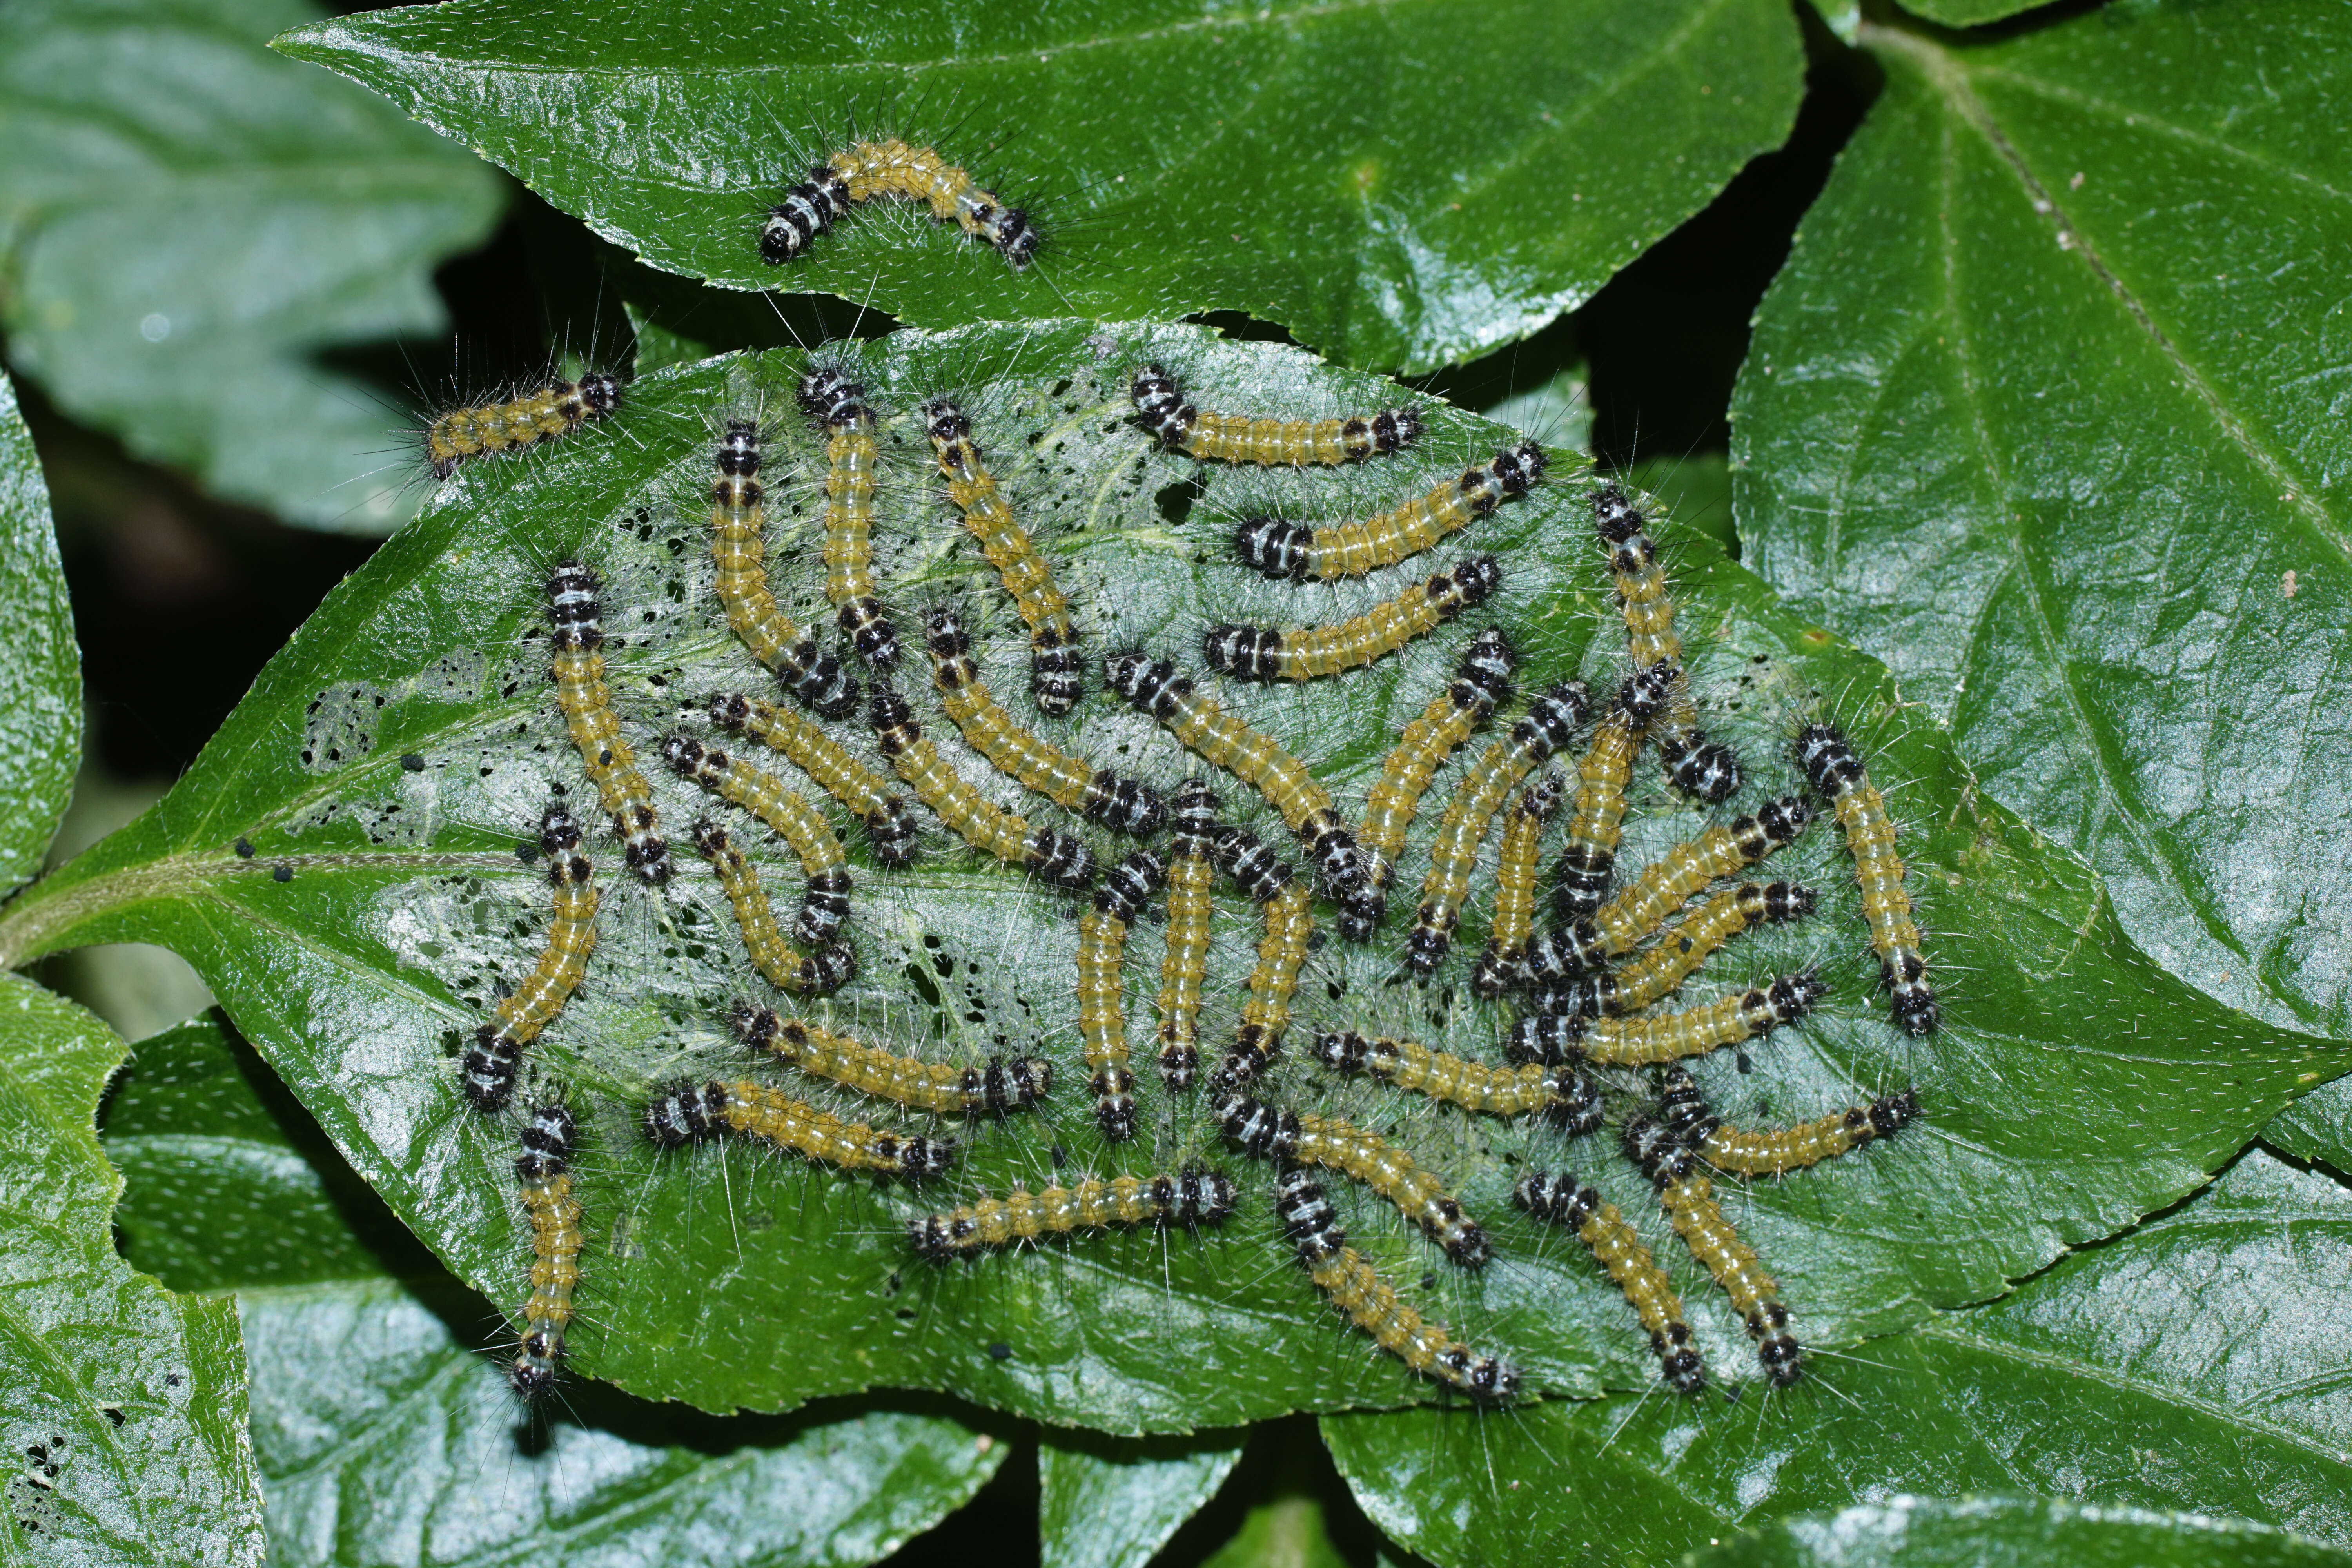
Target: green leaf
(1289,1532)
(1112,1502)
(2194,1363)
(1997,1533)
(2045,410)
(1398,186)
(41,674)
(123,1405)
(382,1431)
(191,227)
(390,761)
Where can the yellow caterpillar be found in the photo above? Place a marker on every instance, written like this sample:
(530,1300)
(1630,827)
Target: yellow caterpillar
(852,459)
(1686,1115)
(1294,551)
(1688,1199)
(1281,953)
(825,906)
(871,170)
(1258,653)
(1589,862)
(694,1112)
(1665,1037)
(787,969)
(1302,1138)
(1243,438)
(1695,764)
(1000,1088)
(496,1055)
(1053,665)
(1515,885)
(510,423)
(544,1171)
(1831,767)
(1190,1198)
(1566,1202)
(587,706)
(1185,968)
(1681,950)
(1102,1019)
(978,821)
(1560,1092)
(739,529)
(889,824)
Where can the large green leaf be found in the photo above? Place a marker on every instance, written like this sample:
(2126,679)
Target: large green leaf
(40,677)
(2194,1363)
(1112,1502)
(1400,186)
(2013,1533)
(383,1433)
(122,1405)
(388,762)
(2047,410)
(189,224)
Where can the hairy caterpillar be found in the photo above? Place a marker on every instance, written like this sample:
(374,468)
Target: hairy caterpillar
(693,1113)
(510,424)
(587,707)
(1632,1042)
(787,969)
(1357,1288)
(1184,967)
(1688,1198)
(889,824)
(1102,1020)
(1515,885)
(1258,653)
(1566,1202)
(1695,764)
(1296,550)
(1687,1116)
(544,1171)
(1192,1198)
(1244,439)
(1000,1088)
(1053,665)
(825,906)
(852,459)
(1560,1092)
(869,171)
(1831,767)
(1681,950)
(1302,1138)
(1589,862)
(1281,952)
(1254,868)
(738,525)
(496,1055)
(979,822)
(1123,805)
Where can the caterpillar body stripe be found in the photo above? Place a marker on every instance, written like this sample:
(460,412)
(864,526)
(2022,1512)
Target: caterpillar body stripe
(1202,725)
(1833,769)
(1123,805)
(825,906)
(544,1171)
(825,970)
(738,526)
(1681,951)
(1686,1114)
(1688,1199)
(872,171)
(1694,765)
(1192,1198)
(978,821)
(1102,987)
(1667,1036)
(1497,968)
(1055,677)
(1561,1092)
(1253,865)
(851,460)
(694,1112)
(1297,551)
(510,423)
(1480,685)
(998,1088)
(1191,908)
(1371,1303)
(587,707)
(496,1055)
(1258,653)
(1281,953)
(1246,438)
(1662,888)
(1564,1201)
(1302,1138)
(890,826)
(1588,864)
(1544,729)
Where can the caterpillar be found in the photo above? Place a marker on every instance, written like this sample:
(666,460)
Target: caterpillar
(889,824)
(1831,767)
(1254,868)
(1357,1288)
(1515,885)
(1545,728)
(1302,1138)
(1564,1201)
(1123,805)
(1243,438)
(982,823)
(1694,765)
(1589,862)
(510,424)
(1281,952)
(1688,1199)
(1680,952)
(852,459)
(544,1171)
(738,525)
(1000,1088)
(496,1055)
(694,1112)
(869,171)
(1192,1198)
(825,906)
(1481,684)
(1184,967)
(587,706)
(1297,551)
(1102,1022)
(1662,888)
(1201,723)
(1053,665)
(1632,1042)
(1258,653)
(814,973)
(1687,1116)
(1562,1093)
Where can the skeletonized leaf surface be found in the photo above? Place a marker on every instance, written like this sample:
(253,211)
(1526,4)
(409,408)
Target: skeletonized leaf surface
(40,674)
(1400,186)
(2047,410)
(2014,1532)
(389,762)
